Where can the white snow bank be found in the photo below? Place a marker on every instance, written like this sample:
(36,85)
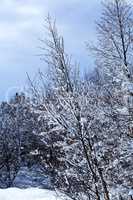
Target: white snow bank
(29,194)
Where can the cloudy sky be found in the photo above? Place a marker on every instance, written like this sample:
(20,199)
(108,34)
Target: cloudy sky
(21,26)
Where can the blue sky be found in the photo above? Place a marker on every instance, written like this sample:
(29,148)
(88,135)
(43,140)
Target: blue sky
(21,23)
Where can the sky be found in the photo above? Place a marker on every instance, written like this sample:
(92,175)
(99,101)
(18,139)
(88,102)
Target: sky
(21,27)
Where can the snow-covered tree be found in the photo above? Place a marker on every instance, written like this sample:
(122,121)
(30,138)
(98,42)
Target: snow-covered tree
(18,140)
(114,63)
(71,116)
(87,122)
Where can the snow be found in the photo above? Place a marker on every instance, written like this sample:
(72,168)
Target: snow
(32,177)
(130,88)
(29,194)
(131,193)
(123,111)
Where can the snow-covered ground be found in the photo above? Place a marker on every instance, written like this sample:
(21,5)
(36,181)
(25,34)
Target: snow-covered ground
(29,194)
